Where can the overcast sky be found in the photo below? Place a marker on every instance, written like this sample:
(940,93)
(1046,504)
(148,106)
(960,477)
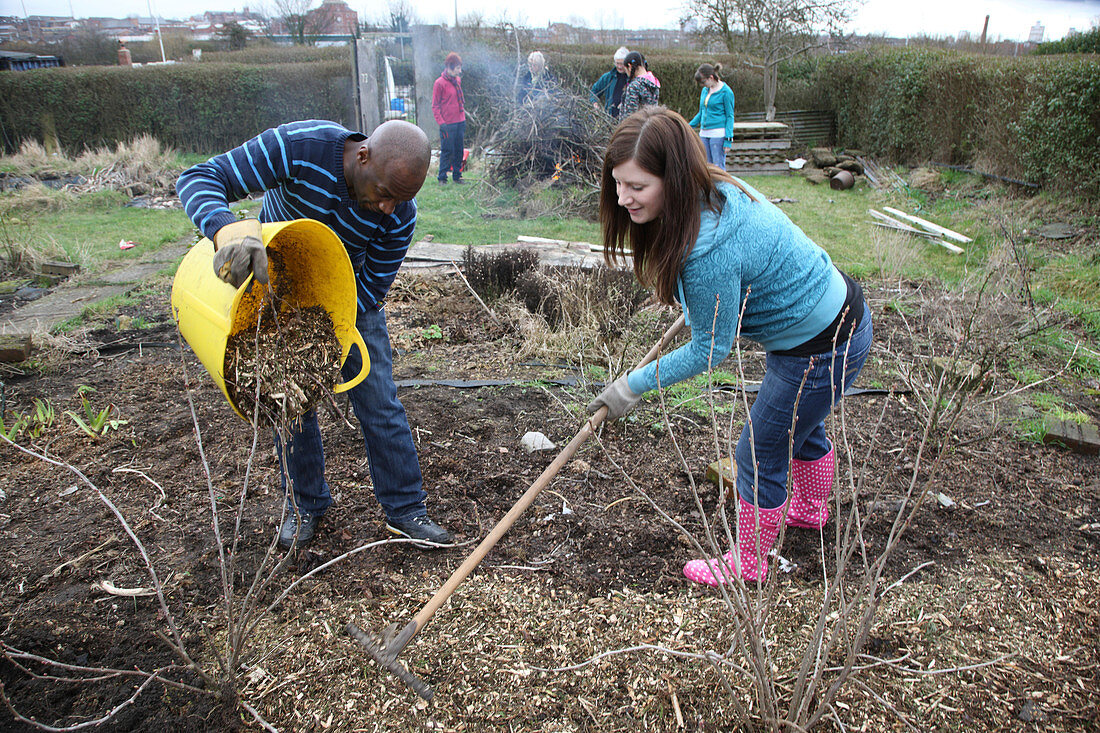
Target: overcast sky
(1009,19)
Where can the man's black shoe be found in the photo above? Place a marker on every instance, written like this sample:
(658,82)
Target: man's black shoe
(459,181)
(420,528)
(304,524)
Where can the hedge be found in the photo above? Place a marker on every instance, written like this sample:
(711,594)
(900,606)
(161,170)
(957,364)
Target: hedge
(1033,118)
(199,108)
(209,106)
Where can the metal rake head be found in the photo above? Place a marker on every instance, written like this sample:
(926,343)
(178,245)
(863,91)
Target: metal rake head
(384,648)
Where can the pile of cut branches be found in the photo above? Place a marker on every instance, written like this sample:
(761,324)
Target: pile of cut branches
(556,139)
(290,358)
(291,361)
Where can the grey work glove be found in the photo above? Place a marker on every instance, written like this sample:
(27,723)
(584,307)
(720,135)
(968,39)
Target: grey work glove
(618,397)
(239,250)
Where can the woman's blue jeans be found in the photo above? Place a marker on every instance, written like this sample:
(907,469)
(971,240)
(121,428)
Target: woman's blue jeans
(768,430)
(716,151)
(394,467)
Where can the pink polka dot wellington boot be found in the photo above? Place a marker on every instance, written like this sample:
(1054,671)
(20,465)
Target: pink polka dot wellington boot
(811,484)
(754,543)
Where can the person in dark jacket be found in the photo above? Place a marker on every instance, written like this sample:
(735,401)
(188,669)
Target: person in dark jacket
(610,86)
(449,109)
(644,89)
(536,79)
(362,188)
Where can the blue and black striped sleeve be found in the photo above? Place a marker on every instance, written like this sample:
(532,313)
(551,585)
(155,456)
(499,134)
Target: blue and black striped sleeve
(384,257)
(207,189)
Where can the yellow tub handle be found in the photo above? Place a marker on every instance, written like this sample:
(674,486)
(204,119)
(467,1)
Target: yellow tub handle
(357,340)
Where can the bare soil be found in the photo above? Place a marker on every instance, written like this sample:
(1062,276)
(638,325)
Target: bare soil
(590,568)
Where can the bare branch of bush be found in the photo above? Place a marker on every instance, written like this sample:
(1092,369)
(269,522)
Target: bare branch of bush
(795,691)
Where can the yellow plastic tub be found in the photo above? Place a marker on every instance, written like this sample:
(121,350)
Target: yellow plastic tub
(209,311)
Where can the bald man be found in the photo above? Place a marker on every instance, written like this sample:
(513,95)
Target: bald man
(362,188)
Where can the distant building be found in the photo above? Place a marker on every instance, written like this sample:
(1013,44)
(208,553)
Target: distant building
(1037,32)
(334,17)
(244,18)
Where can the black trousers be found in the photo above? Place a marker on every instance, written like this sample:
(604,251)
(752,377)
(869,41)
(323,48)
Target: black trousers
(451,139)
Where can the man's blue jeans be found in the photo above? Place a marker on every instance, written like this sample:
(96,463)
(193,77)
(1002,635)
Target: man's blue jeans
(394,468)
(716,151)
(772,414)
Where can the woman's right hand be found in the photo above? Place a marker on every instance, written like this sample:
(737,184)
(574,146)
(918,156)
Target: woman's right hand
(618,397)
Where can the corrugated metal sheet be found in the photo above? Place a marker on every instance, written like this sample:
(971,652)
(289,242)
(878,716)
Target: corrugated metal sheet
(809,127)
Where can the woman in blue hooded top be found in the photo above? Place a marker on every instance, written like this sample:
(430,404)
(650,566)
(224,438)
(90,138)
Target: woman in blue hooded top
(715,116)
(737,265)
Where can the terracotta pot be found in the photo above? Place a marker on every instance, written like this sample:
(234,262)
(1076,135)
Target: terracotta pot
(842,181)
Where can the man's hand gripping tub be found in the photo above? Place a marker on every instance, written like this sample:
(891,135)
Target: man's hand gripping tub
(238,251)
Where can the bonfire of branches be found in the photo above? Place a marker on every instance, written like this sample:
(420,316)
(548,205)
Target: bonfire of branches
(555,137)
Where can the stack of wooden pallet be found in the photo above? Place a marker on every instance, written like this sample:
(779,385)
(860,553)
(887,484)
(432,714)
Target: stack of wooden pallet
(759,147)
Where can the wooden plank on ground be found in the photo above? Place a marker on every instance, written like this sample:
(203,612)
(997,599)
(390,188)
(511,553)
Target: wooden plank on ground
(750,128)
(930,226)
(892,223)
(1075,436)
(760,145)
(727,473)
(7,287)
(758,168)
(64,269)
(16,347)
(543,240)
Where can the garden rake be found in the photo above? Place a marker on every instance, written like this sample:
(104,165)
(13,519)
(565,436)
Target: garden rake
(384,646)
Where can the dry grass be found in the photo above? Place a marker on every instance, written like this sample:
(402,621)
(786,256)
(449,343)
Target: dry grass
(141,161)
(35,197)
(894,253)
(580,312)
(559,312)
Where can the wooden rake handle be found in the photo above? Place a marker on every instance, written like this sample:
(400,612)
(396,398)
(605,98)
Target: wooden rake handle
(479,553)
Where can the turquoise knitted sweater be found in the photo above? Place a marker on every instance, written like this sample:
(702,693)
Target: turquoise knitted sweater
(749,250)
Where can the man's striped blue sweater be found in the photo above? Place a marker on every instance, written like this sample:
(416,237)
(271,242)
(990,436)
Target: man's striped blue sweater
(300,168)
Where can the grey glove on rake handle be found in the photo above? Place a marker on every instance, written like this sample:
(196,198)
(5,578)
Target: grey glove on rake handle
(618,397)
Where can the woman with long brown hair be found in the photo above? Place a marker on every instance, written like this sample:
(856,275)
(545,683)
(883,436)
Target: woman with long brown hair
(705,240)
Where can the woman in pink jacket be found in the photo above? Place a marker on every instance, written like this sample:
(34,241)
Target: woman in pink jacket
(449,109)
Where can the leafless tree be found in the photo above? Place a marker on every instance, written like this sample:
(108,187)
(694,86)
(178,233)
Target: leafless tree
(774,30)
(401,15)
(301,21)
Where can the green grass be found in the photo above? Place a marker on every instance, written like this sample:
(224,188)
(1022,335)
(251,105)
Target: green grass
(469,215)
(691,395)
(87,229)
